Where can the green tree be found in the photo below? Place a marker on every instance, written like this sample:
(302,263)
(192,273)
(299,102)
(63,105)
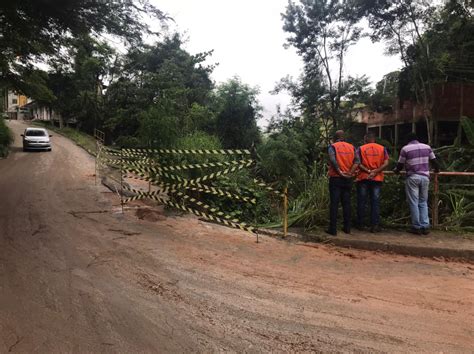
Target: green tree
(78,82)
(33,30)
(238,112)
(322,31)
(401,24)
(163,80)
(386,92)
(283,156)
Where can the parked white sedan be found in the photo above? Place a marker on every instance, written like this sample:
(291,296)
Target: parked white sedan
(36,139)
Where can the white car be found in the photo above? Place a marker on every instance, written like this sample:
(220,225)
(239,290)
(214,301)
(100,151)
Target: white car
(36,139)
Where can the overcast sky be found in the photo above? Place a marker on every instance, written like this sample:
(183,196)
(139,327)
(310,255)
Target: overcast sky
(247,39)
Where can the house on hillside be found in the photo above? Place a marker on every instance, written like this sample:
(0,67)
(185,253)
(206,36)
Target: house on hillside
(21,107)
(14,105)
(452,101)
(38,111)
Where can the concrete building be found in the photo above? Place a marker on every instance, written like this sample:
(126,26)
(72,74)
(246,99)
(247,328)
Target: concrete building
(17,106)
(41,112)
(452,101)
(13,105)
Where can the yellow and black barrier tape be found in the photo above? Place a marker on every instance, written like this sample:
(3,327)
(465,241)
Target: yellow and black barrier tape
(195,187)
(161,190)
(156,168)
(269,188)
(221,193)
(188,151)
(208,208)
(141,172)
(141,164)
(241,226)
(204,165)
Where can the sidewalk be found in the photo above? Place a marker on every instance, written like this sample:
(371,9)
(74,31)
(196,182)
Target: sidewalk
(438,244)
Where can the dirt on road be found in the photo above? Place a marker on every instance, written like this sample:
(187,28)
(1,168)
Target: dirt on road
(76,275)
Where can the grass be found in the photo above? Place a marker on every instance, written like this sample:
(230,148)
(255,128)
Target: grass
(83,140)
(6,138)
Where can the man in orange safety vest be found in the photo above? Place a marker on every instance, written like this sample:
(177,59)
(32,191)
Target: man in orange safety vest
(373,159)
(343,161)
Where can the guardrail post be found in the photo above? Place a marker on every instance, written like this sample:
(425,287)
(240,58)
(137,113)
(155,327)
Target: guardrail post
(435,210)
(285,212)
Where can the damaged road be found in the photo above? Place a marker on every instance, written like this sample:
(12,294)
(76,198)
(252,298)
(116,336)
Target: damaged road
(77,275)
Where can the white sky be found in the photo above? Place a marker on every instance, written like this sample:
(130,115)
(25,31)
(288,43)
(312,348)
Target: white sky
(247,38)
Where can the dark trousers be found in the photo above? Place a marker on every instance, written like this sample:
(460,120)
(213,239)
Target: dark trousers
(368,190)
(339,191)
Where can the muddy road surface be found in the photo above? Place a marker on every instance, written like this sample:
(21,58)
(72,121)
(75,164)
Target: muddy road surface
(78,276)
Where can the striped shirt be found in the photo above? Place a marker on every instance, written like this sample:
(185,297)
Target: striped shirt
(416,157)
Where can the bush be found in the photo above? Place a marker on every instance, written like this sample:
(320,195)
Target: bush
(310,208)
(6,138)
(283,157)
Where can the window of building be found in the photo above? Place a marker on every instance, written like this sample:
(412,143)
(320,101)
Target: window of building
(14,101)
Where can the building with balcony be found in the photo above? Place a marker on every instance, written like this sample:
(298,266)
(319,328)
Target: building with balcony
(451,102)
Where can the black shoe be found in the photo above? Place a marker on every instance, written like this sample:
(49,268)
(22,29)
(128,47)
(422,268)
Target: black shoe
(425,231)
(346,230)
(376,228)
(332,233)
(415,231)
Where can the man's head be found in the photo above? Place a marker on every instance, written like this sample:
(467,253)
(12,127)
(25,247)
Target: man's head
(411,136)
(369,137)
(339,135)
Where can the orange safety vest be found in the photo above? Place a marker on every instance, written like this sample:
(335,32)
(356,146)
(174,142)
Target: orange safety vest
(344,157)
(372,156)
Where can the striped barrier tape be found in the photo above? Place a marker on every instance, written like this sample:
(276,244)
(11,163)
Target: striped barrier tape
(196,187)
(204,165)
(241,226)
(145,152)
(142,194)
(187,151)
(264,185)
(141,172)
(156,169)
(208,208)
(137,163)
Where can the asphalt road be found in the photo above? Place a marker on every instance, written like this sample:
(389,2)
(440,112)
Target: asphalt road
(78,276)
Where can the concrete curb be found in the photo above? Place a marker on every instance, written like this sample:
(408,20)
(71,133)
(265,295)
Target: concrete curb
(466,255)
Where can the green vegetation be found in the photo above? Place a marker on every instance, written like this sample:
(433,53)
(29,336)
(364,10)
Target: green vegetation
(159,95)
(82,139)
(6,138)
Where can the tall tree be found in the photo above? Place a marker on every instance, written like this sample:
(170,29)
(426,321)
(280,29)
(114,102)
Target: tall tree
(322,31)
(386,92)
(34,29)
(77,82)
(152,82)
(401,24)
(238,112)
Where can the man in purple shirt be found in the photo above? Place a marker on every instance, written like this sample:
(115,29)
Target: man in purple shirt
(416,158)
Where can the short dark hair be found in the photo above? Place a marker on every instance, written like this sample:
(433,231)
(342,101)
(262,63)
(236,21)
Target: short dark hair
(412,136)
(370,136)
(339,134)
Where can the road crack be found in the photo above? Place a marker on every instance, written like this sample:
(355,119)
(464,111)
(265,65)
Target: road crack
(18,340)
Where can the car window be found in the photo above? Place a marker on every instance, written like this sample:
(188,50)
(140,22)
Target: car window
(35,133)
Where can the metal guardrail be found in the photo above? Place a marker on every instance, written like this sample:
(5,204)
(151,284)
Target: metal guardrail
(435,200)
